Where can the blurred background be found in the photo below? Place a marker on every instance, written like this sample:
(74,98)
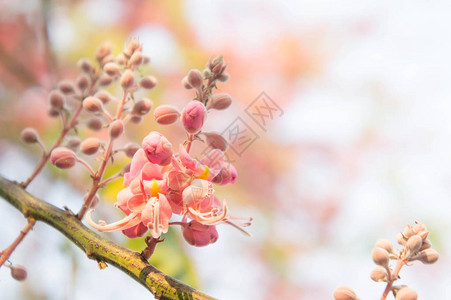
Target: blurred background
(357,144)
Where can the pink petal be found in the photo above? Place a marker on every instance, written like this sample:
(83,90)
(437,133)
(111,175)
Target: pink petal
(136,203)
(135,231)
(138,162)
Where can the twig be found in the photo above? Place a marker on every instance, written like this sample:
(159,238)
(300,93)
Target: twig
(8,251)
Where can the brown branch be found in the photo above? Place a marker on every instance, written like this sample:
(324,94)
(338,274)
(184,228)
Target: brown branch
(8,251)
(132,263)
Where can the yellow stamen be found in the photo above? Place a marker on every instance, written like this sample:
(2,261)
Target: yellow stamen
(204,174)
(154,190)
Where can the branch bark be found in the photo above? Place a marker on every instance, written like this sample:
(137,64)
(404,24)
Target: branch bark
(132,263)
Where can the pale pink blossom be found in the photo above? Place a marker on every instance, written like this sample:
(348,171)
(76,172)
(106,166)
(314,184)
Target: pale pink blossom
(157,148)
(193,116)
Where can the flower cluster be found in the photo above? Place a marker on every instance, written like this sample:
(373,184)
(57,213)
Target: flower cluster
(416,247)
(162,182)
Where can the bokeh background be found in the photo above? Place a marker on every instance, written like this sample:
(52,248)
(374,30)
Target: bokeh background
(361,149)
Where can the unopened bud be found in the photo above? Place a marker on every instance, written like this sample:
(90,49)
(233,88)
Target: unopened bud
(380,256)
(56,99)
(85,65)
(146,59)
(127,80)
(136,59)
(63,158)
(125,169)
(166,114)
(102,51)
(216,141)
(136,119)
(157,148)
(116,128)
(130,149)
(223,77)
(344,293)
(385,244)
(92,104)
(193,116)
(406,294)
(73,143)
(142,107)
(418,228)
(401,239)
(414,243)
(105,80)
(148,82)
(83,82)
(220,101)
(107,59)
(104,96)
(120,59)
(90,146)
(195,78)
(112,69)
(18,272)
(379,274)
(408,231)
(186,84)
(29,135)
(426,245)
(95,123)
(53,112)
(428,256)
(132,46)
(66,86)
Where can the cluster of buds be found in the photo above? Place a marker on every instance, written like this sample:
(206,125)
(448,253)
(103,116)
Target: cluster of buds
(416,246)
(162,182)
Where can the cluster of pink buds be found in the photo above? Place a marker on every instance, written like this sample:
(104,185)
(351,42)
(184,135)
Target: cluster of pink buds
(163,182)
(416,247)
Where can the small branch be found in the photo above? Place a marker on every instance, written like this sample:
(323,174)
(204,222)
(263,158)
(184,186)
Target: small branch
(132,263)
(5,254)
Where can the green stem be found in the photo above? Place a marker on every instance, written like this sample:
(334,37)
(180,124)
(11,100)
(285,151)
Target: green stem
(161,285)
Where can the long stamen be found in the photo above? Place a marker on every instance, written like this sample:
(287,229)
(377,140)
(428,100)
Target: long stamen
(125,223)
(237,227)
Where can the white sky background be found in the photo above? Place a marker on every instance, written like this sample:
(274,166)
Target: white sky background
(405,57)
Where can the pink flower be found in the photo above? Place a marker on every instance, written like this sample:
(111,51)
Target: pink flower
(199,235)
(157,148)
(193,116)
(141,167)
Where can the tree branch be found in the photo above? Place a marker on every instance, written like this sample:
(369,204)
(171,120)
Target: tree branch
(161,285)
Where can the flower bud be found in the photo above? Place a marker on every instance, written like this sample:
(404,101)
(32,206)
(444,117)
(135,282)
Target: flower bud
(220,101)
(406,294)
(120,59)
(107,59)
(401,239)
(195,78)
(18,272)
(418,228)
(132,46)
(344,293)
(29,135)
(426,245)
(148,82)
(142,108)
(53,112)
(146,59)
(126,169)
(95,123)
(82,82)
(85,65)
(379,274)
(104,96)
(127,80)
(66,86)
(428,256)
(90,146)
(102,51)
(136,59)
(116,128)
(223,77)
(105,80)
(380,256)
(216,141)
(157,148)
(199,235)
(112,69)
(73,143)
(92,104)
(130,149)
(56,99)
(408,231)
(193,116)
(166,114)
(136,119)
(186,84)
(414,243)
(226,175)
(63,158)
(385,244)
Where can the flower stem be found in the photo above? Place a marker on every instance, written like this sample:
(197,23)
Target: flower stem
(5,254)
(393,277)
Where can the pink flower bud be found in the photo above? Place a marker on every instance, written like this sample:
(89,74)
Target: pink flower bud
(380,256)
(146,59)
(85,65)
(223,77)
(228,174)
(18,272)
(95,123)
(148,82)
(136,58)
(220,101)
(63,158)
(426,245)
(414,243)
(379,274)
(195,78)
(157,148)
(120,59)
(344,293)
(166,114)
(112,69)
(216,141)
(199,235)
(29,135)
(82,82)
(136,119)
(92,104)
(127,80)
(105,80)
(142,108)
(116,128)
(193,116)
(186,84)
(428,256)
(130,149)
(385,244)
(90,146)
(406,294)
(107,59)
(102,51)
(104,96)
(73,143)
(56,99)
(66,86)
(131,47)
